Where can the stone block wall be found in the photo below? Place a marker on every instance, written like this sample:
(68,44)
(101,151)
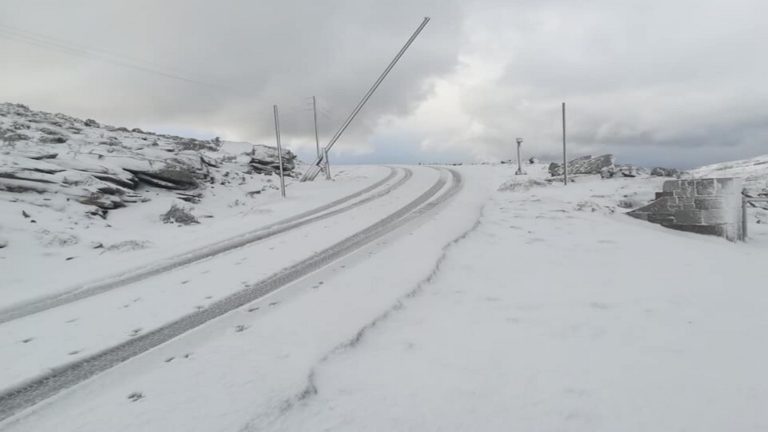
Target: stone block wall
(704,206)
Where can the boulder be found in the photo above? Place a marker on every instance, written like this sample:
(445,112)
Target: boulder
(665,172)
(264,160)
(179,215)
(584,165)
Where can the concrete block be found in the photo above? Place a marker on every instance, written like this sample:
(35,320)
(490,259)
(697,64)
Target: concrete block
(705,206)
(706,187)
(708,203)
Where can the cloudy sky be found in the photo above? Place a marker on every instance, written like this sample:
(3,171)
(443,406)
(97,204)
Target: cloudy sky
(675,83)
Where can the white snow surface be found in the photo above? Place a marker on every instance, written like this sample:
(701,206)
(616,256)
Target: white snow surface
(753,171)
(534,307)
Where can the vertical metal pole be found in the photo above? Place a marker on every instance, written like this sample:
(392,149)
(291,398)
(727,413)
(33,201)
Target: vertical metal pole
(565,157)
(279,151)
(317,137)
(519,163)
(327,165)
(744,219)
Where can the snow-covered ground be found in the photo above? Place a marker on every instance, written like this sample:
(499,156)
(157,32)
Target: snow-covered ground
(532,306)
(63,247)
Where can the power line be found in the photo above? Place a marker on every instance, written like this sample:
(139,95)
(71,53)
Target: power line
(48,42)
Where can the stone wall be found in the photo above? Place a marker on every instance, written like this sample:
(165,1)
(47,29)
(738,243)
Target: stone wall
(704,206)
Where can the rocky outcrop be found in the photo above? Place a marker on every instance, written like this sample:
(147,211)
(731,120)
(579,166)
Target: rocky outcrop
(264,160)
(665,172)
(584,165)
(106,166)
(625,170)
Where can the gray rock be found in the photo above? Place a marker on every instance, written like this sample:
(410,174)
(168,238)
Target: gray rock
(174,178)
(584,165)
(92,123)
(179,215)
(103,201)
(49,139)
(665,172)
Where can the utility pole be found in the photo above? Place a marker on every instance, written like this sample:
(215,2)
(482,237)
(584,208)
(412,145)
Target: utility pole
(565,157)
(315,168)
(279,151)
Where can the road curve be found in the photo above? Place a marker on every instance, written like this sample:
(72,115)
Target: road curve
(27,395)
(133,275)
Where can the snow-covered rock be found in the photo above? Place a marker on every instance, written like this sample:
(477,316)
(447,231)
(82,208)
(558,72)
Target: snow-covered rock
(584,165)
(105,166)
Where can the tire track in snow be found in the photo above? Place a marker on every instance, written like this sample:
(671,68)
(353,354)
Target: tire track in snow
(128,277)
(24,396)
(310,389)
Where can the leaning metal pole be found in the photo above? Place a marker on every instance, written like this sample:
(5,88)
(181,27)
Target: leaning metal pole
(315,168)
(279,151)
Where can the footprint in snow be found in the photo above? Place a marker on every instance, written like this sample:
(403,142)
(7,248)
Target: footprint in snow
(135,332)
(253,309)
(73,352)
(241,328)
(274,304)
(27,340)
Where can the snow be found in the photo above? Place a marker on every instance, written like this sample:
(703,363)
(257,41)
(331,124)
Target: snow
(60,335)
(520,305)
(550,318)
(224,211)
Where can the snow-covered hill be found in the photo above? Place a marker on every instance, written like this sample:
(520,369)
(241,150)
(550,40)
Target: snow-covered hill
(754,172)
(77,197)
(104,166)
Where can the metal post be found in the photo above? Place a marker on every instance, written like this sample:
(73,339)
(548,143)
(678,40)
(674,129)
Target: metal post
(565,157)
(327,165)
(317,137)
(313,170)
(279,151)
(744,219)
(519,162)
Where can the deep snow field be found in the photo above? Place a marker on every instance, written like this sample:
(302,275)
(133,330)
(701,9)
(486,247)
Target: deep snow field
(520,305)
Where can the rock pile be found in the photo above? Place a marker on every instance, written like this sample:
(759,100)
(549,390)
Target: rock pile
(583,165)
(106,166)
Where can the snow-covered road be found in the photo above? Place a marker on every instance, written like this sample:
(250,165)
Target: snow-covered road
(154,268)
(151,318)
(533,307)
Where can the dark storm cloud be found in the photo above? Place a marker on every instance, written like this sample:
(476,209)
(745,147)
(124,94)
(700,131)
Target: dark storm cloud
(253,53)
(676,82)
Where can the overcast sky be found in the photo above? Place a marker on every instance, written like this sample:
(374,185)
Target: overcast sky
(675,83)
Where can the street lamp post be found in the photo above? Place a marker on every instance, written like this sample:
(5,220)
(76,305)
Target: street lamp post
(519,162)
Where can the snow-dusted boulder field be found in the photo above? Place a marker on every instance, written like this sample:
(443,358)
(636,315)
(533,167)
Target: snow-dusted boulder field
(104,166)
(75,192)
